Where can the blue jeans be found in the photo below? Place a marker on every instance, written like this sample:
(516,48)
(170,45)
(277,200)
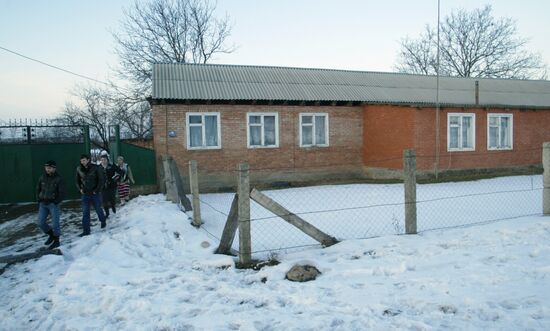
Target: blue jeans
(52,209)
(95,200)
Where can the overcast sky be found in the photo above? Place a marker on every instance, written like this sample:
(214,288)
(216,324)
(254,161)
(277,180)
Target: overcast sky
(346,34)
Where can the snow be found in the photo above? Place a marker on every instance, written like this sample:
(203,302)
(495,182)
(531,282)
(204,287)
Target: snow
(151,270)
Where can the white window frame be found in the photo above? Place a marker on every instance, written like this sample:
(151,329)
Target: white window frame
(202,124)
(314,143)
(461,149)
(499,115)
(262,137)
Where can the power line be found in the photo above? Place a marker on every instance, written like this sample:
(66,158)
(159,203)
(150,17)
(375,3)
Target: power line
(55,67)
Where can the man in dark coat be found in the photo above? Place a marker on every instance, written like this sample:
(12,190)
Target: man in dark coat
(111,173)
(89,181)
(50,192)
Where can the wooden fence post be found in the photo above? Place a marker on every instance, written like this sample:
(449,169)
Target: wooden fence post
(230,228)
(243,192)
(546,178)
(169,180)
(194,186)
(409,174)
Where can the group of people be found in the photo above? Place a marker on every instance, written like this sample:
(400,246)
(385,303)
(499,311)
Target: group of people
(97,183)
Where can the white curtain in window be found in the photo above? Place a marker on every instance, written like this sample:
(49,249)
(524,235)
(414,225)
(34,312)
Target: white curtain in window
(307,135)
(255,136)
(467,132)
(211,130)
(320,130)
(195,136)
(505,132)
(269,130)
(453,132)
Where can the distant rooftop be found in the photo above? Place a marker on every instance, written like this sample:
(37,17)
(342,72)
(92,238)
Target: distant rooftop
(213,82)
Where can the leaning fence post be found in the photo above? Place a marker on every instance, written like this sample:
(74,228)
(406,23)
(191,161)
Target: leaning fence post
(243,192)
(546,178)
(409,172)
(194,185)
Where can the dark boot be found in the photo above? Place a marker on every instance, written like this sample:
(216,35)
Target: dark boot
(50,238)
(55,243)
(114,209)
(106,209)
(103,224)
(84,234)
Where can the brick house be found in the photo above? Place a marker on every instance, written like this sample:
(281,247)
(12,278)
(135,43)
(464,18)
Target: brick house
(296,124)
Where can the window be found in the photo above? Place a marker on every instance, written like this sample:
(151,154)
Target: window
(263,130)
(313,129)
(461,132)
(499,131)
(203,131)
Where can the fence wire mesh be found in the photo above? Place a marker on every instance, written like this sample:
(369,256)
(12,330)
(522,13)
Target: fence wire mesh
(365,210)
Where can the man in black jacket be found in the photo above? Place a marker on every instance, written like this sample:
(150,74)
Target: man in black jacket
(50,191)
(89,181)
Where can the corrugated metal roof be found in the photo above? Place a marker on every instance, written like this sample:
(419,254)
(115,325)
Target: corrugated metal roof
(236,82)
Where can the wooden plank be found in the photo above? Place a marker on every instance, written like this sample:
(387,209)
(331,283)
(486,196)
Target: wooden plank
(194,186)
(179,187)
(409,172)
(230,228)
(245,240)
(293,219)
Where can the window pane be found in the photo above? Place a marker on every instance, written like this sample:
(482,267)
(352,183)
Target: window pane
(269,130)
(211,127)
(493,121)
(320,130)
(255,119)
(195,119)
(466,132)
(195,136)
(307,135)
(453,137)
(307,119)
(505,132)
(493,137)
(453,120)
(255,136)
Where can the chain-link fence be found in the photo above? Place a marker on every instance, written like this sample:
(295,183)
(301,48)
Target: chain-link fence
(365,210)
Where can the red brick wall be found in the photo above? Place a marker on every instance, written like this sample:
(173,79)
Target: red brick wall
(530,129)
(388,130)
(345,138)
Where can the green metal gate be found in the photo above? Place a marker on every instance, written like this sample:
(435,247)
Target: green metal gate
(24,152)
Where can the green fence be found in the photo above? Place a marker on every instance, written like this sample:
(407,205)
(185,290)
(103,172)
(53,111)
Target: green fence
(141,161)
(21,165)
(22,162)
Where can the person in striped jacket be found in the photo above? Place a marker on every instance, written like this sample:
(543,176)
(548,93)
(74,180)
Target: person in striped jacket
(126,179)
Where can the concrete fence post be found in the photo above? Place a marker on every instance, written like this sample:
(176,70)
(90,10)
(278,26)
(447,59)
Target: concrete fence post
(546,178)
(243,192)
(194,187)
(409,176)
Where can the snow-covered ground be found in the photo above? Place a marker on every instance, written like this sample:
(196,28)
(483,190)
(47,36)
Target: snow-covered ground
(151,270)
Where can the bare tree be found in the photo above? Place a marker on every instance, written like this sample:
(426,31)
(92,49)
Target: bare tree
(472,44)
(94,108)
(168,31)
(134,118)
(157,31)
